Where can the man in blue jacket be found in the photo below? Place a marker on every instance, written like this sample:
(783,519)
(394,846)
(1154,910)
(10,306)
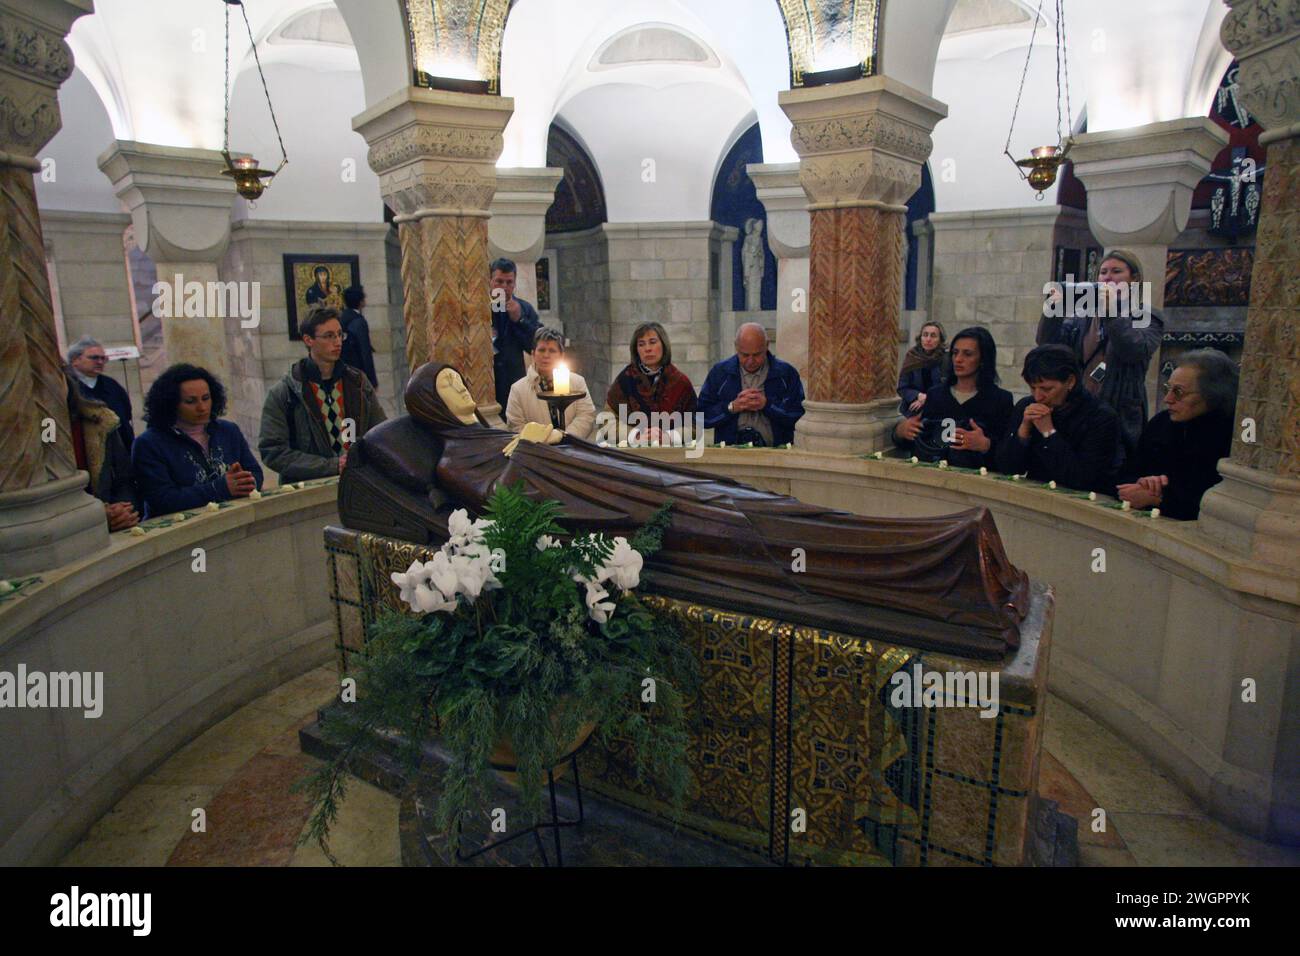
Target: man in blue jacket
(752,396)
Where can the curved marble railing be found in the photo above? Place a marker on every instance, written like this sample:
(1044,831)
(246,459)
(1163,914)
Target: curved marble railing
(1156,647)
(179,649)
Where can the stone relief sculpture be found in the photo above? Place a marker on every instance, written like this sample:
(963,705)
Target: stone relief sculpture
(751,259)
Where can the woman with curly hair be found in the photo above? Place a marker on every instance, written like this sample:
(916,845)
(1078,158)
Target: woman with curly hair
(188,456)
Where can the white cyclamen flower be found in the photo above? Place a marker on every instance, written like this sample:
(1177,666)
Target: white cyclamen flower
(623,567)
(408,581)
(430,600)
(546,541)
(471,574)
(984,472)
(597,606)
(441,575)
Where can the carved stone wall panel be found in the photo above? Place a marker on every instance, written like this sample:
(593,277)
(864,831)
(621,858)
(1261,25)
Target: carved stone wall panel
(32,386)
(1262,35)
(862,131)
(857,264)
(1270,363)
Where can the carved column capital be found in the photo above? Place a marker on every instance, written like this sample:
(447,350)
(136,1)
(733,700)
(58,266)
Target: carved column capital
(861,143)
(34,62)
(435,151)
(1264,36)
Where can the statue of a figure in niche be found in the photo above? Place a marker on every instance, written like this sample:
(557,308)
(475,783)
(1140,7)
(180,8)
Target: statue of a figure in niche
(751,261)
(941,583)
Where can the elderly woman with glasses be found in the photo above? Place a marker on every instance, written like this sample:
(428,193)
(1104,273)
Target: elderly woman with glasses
(1178,454)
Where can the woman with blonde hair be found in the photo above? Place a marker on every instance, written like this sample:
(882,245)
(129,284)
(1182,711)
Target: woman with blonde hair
(1115,344)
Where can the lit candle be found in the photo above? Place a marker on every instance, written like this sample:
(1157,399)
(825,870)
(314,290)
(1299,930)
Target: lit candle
(245,162)
(561,379)
(1043,152)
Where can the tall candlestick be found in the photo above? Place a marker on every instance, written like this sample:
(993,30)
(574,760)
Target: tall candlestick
(561,379)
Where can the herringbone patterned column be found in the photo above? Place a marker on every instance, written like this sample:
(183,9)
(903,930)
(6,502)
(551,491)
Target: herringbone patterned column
(857,265)
(32,386)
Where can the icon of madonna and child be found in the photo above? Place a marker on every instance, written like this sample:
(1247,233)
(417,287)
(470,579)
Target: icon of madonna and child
(938,583)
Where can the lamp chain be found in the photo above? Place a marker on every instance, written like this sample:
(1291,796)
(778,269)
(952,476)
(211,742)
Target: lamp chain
(284,157)
(225,142)
(1023,76)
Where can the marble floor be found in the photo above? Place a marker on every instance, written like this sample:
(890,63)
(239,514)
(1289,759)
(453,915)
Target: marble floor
(239,772)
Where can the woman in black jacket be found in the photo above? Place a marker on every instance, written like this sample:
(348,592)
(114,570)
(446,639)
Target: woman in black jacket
(1060,432)
(1179,452)
(922,368)
(963,417)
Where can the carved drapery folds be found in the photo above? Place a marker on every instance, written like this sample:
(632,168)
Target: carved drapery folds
(861,146)
(435,153)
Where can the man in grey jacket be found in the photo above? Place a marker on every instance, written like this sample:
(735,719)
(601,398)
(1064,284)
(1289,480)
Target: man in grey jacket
(319,409)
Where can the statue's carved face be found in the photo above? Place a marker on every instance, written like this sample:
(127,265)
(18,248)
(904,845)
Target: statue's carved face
(454,394)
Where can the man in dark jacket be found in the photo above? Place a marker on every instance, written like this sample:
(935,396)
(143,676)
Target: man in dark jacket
(752,396)
(357,351)
(1061,432)
(97,448)
(319,409)
(87,360)
(514,323)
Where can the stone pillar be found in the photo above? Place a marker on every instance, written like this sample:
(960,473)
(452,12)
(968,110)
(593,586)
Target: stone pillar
(435,153)
(862,145)
(1255,510)
(46,517)
(517,229)
(180,207)
(783,196)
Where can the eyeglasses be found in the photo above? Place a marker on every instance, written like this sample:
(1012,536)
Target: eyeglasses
(333,337)
(1177,392)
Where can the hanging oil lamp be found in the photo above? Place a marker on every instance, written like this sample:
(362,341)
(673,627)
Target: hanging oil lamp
(250,180)
(1044,162)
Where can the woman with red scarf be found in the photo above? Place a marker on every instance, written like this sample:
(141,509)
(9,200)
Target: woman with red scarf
(651,383)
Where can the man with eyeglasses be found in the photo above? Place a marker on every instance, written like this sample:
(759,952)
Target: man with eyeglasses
(313,415)
(87,359)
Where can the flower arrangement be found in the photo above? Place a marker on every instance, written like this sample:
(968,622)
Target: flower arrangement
(520,632)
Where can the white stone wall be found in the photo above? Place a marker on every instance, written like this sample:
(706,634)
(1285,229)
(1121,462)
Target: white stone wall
(259,357)
(989,269)
(582,281)
(93,287)
(660,272)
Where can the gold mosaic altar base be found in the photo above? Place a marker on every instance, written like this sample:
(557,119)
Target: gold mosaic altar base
(796,750)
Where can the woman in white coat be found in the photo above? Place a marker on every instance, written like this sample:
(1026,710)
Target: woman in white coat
(526,406)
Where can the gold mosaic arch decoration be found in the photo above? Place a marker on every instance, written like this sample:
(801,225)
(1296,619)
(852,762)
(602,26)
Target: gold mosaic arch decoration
(471,31)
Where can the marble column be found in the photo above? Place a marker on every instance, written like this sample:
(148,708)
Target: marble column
(1255,510)
(517,229)
(782,195)
(861,145)
(435,153)
(180,207)
(46,517)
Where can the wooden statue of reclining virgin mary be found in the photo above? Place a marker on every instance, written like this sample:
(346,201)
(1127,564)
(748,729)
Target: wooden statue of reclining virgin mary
(941,583)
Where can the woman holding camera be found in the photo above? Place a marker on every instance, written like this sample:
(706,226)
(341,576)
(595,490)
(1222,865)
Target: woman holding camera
(1114,343)
(967,412)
